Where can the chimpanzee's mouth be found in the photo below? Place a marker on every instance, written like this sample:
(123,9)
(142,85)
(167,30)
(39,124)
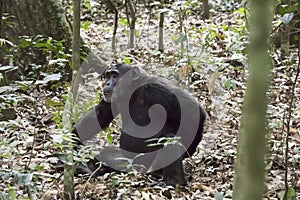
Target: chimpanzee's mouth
(107,93)
(107,96)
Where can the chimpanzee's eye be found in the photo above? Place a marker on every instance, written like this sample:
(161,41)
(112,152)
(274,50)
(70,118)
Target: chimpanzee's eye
(114,74)
(107,74)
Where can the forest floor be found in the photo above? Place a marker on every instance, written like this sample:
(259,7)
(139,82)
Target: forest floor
(216,52)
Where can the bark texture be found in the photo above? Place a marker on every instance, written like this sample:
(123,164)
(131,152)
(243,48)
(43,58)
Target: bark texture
(45,17)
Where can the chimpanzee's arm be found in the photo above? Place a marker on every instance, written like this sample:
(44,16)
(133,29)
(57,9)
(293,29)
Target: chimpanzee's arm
(94,121)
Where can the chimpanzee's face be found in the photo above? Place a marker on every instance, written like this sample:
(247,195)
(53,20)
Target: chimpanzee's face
(113,75)
(111,78)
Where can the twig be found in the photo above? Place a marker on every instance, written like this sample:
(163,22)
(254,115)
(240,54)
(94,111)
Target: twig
(31,152)
(92,175)
(115,25)
(288,126)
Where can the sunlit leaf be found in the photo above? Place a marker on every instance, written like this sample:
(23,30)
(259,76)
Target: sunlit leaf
(4,41)
(12,193)
(57,61)
(163,10)
(52,77)
(86,25)
(109,138)
(123,21)
(57,138)
(126,60)
(180,39)
(287,18)
(218,196)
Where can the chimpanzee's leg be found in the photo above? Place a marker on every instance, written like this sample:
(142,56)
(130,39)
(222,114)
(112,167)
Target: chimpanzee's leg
(173,174)
(169,159)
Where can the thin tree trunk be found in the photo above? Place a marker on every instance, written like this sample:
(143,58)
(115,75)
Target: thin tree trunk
(113,42)
(131,23)
(181,33)
(76,48)
(2,36)
(69,169)
(249,166)
(205,13)
(161,29)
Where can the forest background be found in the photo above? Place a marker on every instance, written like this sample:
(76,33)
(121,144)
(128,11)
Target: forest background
(201,46)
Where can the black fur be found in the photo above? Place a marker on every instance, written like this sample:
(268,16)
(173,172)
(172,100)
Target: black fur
(158,91)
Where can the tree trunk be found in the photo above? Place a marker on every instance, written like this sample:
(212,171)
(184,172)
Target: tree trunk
(113,41)
(35,17)
(161,29)
(69,170)
(205,13)
(45,17)
(131,23)
(1,31)
(249,165)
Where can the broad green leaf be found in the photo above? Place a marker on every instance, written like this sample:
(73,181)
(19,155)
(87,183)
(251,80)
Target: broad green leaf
(123,21)
(12,193)
(218,196)
(67,114)
(86,25)
(109,138)
(52,77)
(163,10)
(59,60)
(180,39)
(287,18)
(126,60)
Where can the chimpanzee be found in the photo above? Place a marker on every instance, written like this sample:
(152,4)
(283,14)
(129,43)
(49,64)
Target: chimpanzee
(161,123)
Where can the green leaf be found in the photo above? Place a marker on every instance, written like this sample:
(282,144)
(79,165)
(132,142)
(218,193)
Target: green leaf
(240,11)
(24,42)
(123,21)
(88,5)
(218,196)
(163,10)
(68,139)
(86,25)
(4,41)
(24,179)
(57,138)
(180,39)
(126,60)
(156,3)
(24,85)
(57,61)
(109,138)
(12,193)
(67,114)
(8,67)
(52,77)
(4,89)
(38,167)
(63,159)
(51,103)
(287,18)
(28,179)
(291,194)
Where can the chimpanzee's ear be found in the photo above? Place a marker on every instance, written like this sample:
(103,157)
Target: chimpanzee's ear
(135,73)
